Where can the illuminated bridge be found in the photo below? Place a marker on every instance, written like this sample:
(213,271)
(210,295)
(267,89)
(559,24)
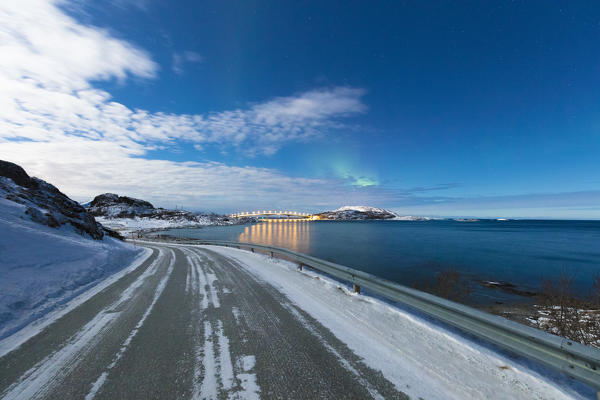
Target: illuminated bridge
(273,214)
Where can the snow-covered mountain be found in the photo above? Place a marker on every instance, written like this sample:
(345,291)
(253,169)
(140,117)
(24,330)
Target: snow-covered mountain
(364,209)
(128,214)
(348,213)
(357,213)
(51,249)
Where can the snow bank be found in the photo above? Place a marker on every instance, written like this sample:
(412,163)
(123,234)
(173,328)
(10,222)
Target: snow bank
(127,225)
(43,267)
(421,358)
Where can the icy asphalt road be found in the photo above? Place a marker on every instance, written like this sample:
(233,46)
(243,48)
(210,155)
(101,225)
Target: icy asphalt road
(188,323)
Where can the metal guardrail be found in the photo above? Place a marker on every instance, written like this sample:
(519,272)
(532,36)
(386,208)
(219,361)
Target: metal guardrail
(572,358)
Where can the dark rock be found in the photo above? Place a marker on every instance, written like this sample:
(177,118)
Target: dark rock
(45,203)
(508,288)
(113,233)
(17,174)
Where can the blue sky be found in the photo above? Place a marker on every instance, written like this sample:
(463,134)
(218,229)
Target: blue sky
(433,108)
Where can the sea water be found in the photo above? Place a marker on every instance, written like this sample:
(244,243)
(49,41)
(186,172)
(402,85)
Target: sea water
(519,252)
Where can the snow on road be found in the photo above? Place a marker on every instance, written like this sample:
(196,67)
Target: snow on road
(421,358)
(159,290)
(40,380)
(213,354)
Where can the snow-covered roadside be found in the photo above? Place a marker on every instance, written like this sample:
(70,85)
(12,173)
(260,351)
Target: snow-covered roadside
(42,268)
(13,341)
(422,359)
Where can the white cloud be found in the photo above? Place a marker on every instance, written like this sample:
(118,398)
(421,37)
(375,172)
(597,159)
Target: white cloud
(84,168)
(55,123)
(47,61)
(43,46)
(180,59)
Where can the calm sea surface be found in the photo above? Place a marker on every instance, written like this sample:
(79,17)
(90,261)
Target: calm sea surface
(411,253)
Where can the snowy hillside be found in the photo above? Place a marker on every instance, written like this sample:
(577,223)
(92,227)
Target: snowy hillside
(127,214)
(51,249)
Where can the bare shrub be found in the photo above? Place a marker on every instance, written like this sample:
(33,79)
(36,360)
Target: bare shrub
(566,314)
(449,285)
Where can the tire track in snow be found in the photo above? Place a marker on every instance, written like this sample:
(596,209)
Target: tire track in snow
(159,290)
(209,277)
(219,373)
(198,283)
(208,389)
(48,373)
(188,284)
(224,358)
(205,277)
(199,296)
(215,374)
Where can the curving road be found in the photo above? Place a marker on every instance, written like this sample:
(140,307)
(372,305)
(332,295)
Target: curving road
(188,323)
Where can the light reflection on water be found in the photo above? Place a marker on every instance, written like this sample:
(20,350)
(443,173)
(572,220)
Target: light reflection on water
(291,234)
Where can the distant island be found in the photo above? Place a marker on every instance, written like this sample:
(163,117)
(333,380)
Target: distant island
(349,213)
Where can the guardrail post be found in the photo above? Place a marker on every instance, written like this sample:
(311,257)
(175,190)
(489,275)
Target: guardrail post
(271,254)
(356,288)
(252,249)
(299,266)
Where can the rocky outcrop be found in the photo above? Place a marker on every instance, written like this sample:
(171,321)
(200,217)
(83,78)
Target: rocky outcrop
(44,203)
(112,205)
